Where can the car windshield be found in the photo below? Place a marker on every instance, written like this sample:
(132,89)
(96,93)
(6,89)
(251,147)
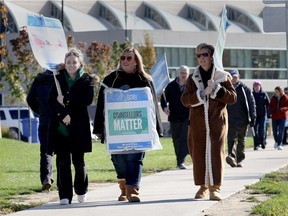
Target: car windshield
(23,114)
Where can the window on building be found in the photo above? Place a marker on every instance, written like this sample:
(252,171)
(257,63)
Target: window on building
(109,17)
(56,13)
(156,17)
(200,20)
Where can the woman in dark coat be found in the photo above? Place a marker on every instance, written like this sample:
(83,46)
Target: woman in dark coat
(128,167)
(69,134)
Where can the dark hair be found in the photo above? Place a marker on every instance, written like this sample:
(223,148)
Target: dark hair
(205,46)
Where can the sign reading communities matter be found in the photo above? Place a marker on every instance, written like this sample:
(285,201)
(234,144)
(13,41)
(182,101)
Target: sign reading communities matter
(129,120)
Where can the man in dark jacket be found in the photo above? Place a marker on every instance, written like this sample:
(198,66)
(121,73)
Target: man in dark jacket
(240,115)
(262,102)
(37,99)
(177,114)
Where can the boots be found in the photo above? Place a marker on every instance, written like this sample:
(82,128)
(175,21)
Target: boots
(215,192)
(202,192)
(132,194)
(122,187)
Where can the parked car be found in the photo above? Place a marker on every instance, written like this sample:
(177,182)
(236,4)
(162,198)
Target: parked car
(9,119)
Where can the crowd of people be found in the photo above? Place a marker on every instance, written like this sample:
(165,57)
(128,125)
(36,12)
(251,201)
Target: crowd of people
(207,109)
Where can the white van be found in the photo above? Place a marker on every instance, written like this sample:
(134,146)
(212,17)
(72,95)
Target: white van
(9,119)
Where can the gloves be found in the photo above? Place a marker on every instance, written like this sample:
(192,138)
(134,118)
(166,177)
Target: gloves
(212,84)
(208,90)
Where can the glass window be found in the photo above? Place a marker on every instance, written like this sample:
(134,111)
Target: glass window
(2,115)
(23,114)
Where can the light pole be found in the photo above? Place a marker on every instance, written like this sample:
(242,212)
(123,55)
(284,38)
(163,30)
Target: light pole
(126,35)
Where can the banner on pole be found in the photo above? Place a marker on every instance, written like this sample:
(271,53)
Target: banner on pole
(130,121)
(48,41)
(160,75)
(219,48)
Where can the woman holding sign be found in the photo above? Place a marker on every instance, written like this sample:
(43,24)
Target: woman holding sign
(207,92)
(128,166)
(69,134)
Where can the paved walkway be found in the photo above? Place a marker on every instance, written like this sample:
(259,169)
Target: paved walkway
(168,193)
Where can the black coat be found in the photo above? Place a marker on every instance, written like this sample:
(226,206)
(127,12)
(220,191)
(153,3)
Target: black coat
(243,111)
(37,98)
(178,112)
(121,80)
(76,100)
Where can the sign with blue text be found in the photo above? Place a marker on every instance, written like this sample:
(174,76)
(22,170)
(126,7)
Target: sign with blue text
(130,122)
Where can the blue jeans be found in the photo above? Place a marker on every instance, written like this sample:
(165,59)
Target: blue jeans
(278,130)
(129,167)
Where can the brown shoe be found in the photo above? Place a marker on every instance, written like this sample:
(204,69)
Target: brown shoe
(215,193)
(122,187)
(132,194)
(202,193)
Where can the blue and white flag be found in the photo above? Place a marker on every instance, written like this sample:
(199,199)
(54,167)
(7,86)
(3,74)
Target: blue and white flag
(219,48)
(160,75)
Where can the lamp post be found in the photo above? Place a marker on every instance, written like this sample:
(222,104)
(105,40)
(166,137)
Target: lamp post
(126,35)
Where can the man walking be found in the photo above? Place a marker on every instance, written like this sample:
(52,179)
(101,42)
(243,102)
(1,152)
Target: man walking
(177,114)
(240,115)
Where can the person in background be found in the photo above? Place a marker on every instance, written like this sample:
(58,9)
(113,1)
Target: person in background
(285,128)
(278,107)
(69,135)
(129,74)
(240,115)
(207,92)
(262,102)
(177,114)
(37,100)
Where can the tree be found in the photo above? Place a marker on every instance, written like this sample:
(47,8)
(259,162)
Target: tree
(21,67)
(148,52)
(3,26)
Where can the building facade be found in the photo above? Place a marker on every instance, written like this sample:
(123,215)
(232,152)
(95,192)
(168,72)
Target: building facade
(175,27)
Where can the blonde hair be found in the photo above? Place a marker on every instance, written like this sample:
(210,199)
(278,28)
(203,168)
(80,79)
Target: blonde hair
(76,52)
(139,61)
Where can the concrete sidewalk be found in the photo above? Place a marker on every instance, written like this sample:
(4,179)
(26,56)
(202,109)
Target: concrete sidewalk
(168,193)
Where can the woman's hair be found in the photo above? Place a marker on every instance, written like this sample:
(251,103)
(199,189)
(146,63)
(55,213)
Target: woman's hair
(278,88)
(76,52)
(139,61)
(205,46)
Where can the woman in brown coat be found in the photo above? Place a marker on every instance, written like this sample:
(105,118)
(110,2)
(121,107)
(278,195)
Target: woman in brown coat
(207,93)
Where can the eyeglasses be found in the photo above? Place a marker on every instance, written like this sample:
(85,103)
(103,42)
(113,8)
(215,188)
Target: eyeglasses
(72,53)
(202,54)
(129,58)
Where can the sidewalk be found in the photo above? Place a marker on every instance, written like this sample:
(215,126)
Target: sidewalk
(169,193)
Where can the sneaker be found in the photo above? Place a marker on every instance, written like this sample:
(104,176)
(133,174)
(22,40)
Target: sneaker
(46,187)
(280,147)
(64,202)
(239,165)
(81,198)
(181,166)
(275,145)
(231,161)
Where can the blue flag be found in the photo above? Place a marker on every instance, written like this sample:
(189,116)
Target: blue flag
(160,75)
(219,48)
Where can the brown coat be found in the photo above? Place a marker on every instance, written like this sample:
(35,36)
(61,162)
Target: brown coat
(208,126)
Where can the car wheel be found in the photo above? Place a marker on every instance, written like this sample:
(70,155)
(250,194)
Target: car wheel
(13,133)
